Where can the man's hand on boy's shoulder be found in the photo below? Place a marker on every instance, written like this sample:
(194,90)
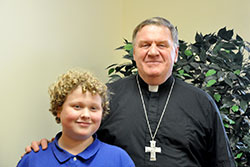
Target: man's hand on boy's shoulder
(35,145)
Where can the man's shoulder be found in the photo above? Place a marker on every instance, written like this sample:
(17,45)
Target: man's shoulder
(126,81)
(188,88)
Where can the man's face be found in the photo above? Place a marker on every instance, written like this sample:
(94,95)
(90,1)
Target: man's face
(155,52)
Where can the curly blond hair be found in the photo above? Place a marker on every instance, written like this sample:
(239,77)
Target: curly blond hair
(69,81)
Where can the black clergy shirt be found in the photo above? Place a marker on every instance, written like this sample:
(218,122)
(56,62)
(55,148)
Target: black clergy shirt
(191,133)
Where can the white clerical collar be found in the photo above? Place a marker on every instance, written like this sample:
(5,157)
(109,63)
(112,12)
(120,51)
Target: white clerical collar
(153,88)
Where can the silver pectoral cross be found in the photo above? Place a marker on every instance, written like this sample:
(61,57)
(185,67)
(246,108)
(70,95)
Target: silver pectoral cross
(153,150)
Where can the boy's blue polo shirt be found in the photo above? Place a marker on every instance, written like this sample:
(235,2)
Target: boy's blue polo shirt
(98,154)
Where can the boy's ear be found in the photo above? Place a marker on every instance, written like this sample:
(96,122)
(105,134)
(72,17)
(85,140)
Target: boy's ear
(59,112)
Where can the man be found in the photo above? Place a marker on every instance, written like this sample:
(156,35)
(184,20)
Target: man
(160,120)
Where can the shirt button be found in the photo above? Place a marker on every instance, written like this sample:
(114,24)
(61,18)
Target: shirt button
(74,158)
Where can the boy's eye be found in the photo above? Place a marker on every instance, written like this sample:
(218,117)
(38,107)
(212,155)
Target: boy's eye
(77,106)
(93,108)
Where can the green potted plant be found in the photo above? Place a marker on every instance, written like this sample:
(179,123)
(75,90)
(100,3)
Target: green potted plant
(219,64)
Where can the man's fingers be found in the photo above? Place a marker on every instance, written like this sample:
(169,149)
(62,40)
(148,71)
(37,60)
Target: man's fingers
(27,149)
(44,143)
(35,146)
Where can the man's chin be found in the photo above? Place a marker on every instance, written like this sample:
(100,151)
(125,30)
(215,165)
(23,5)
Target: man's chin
(151,72)
(154,74)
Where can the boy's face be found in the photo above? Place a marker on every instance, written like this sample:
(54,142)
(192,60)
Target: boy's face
(81,114)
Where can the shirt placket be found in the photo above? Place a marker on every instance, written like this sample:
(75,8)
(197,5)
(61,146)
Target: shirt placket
(153,116)
(73,162)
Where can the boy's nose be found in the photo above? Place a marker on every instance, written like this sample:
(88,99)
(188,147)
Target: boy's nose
(85,113)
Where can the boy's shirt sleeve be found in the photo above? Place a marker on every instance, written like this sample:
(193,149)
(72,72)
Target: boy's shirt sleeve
(25,161)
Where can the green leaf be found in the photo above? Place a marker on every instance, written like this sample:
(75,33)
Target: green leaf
(227,102)
(231,122)
(210,83)
(217,97)
(238,38)
(235,108)
(188,53)
(186,68)
(112,65)
(229,82)
(195,65)
(187,75)
(224,34)
(217,48)
(239,155)
(225,117)
(220,75)
(226,125)
(243,105)
(228,46)
(128,56)
(210,72)
(198,38)
(237,72)
(246,139)
(111,70)
(128,47)
(181,72)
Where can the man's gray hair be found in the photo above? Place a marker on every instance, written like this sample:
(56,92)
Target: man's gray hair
(159,21)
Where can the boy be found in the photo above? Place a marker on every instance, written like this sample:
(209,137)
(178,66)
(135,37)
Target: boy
(78,101)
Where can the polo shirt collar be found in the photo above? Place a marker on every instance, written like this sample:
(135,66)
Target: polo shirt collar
(62,155)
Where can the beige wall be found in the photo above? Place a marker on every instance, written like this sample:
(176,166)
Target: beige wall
(40,39)
(190,16)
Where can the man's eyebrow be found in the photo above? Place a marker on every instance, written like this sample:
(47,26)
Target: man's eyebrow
(163,41)
(144,41)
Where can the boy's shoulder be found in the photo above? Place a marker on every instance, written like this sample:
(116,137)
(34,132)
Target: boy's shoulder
(32,157)
(112,149)
(116,154)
